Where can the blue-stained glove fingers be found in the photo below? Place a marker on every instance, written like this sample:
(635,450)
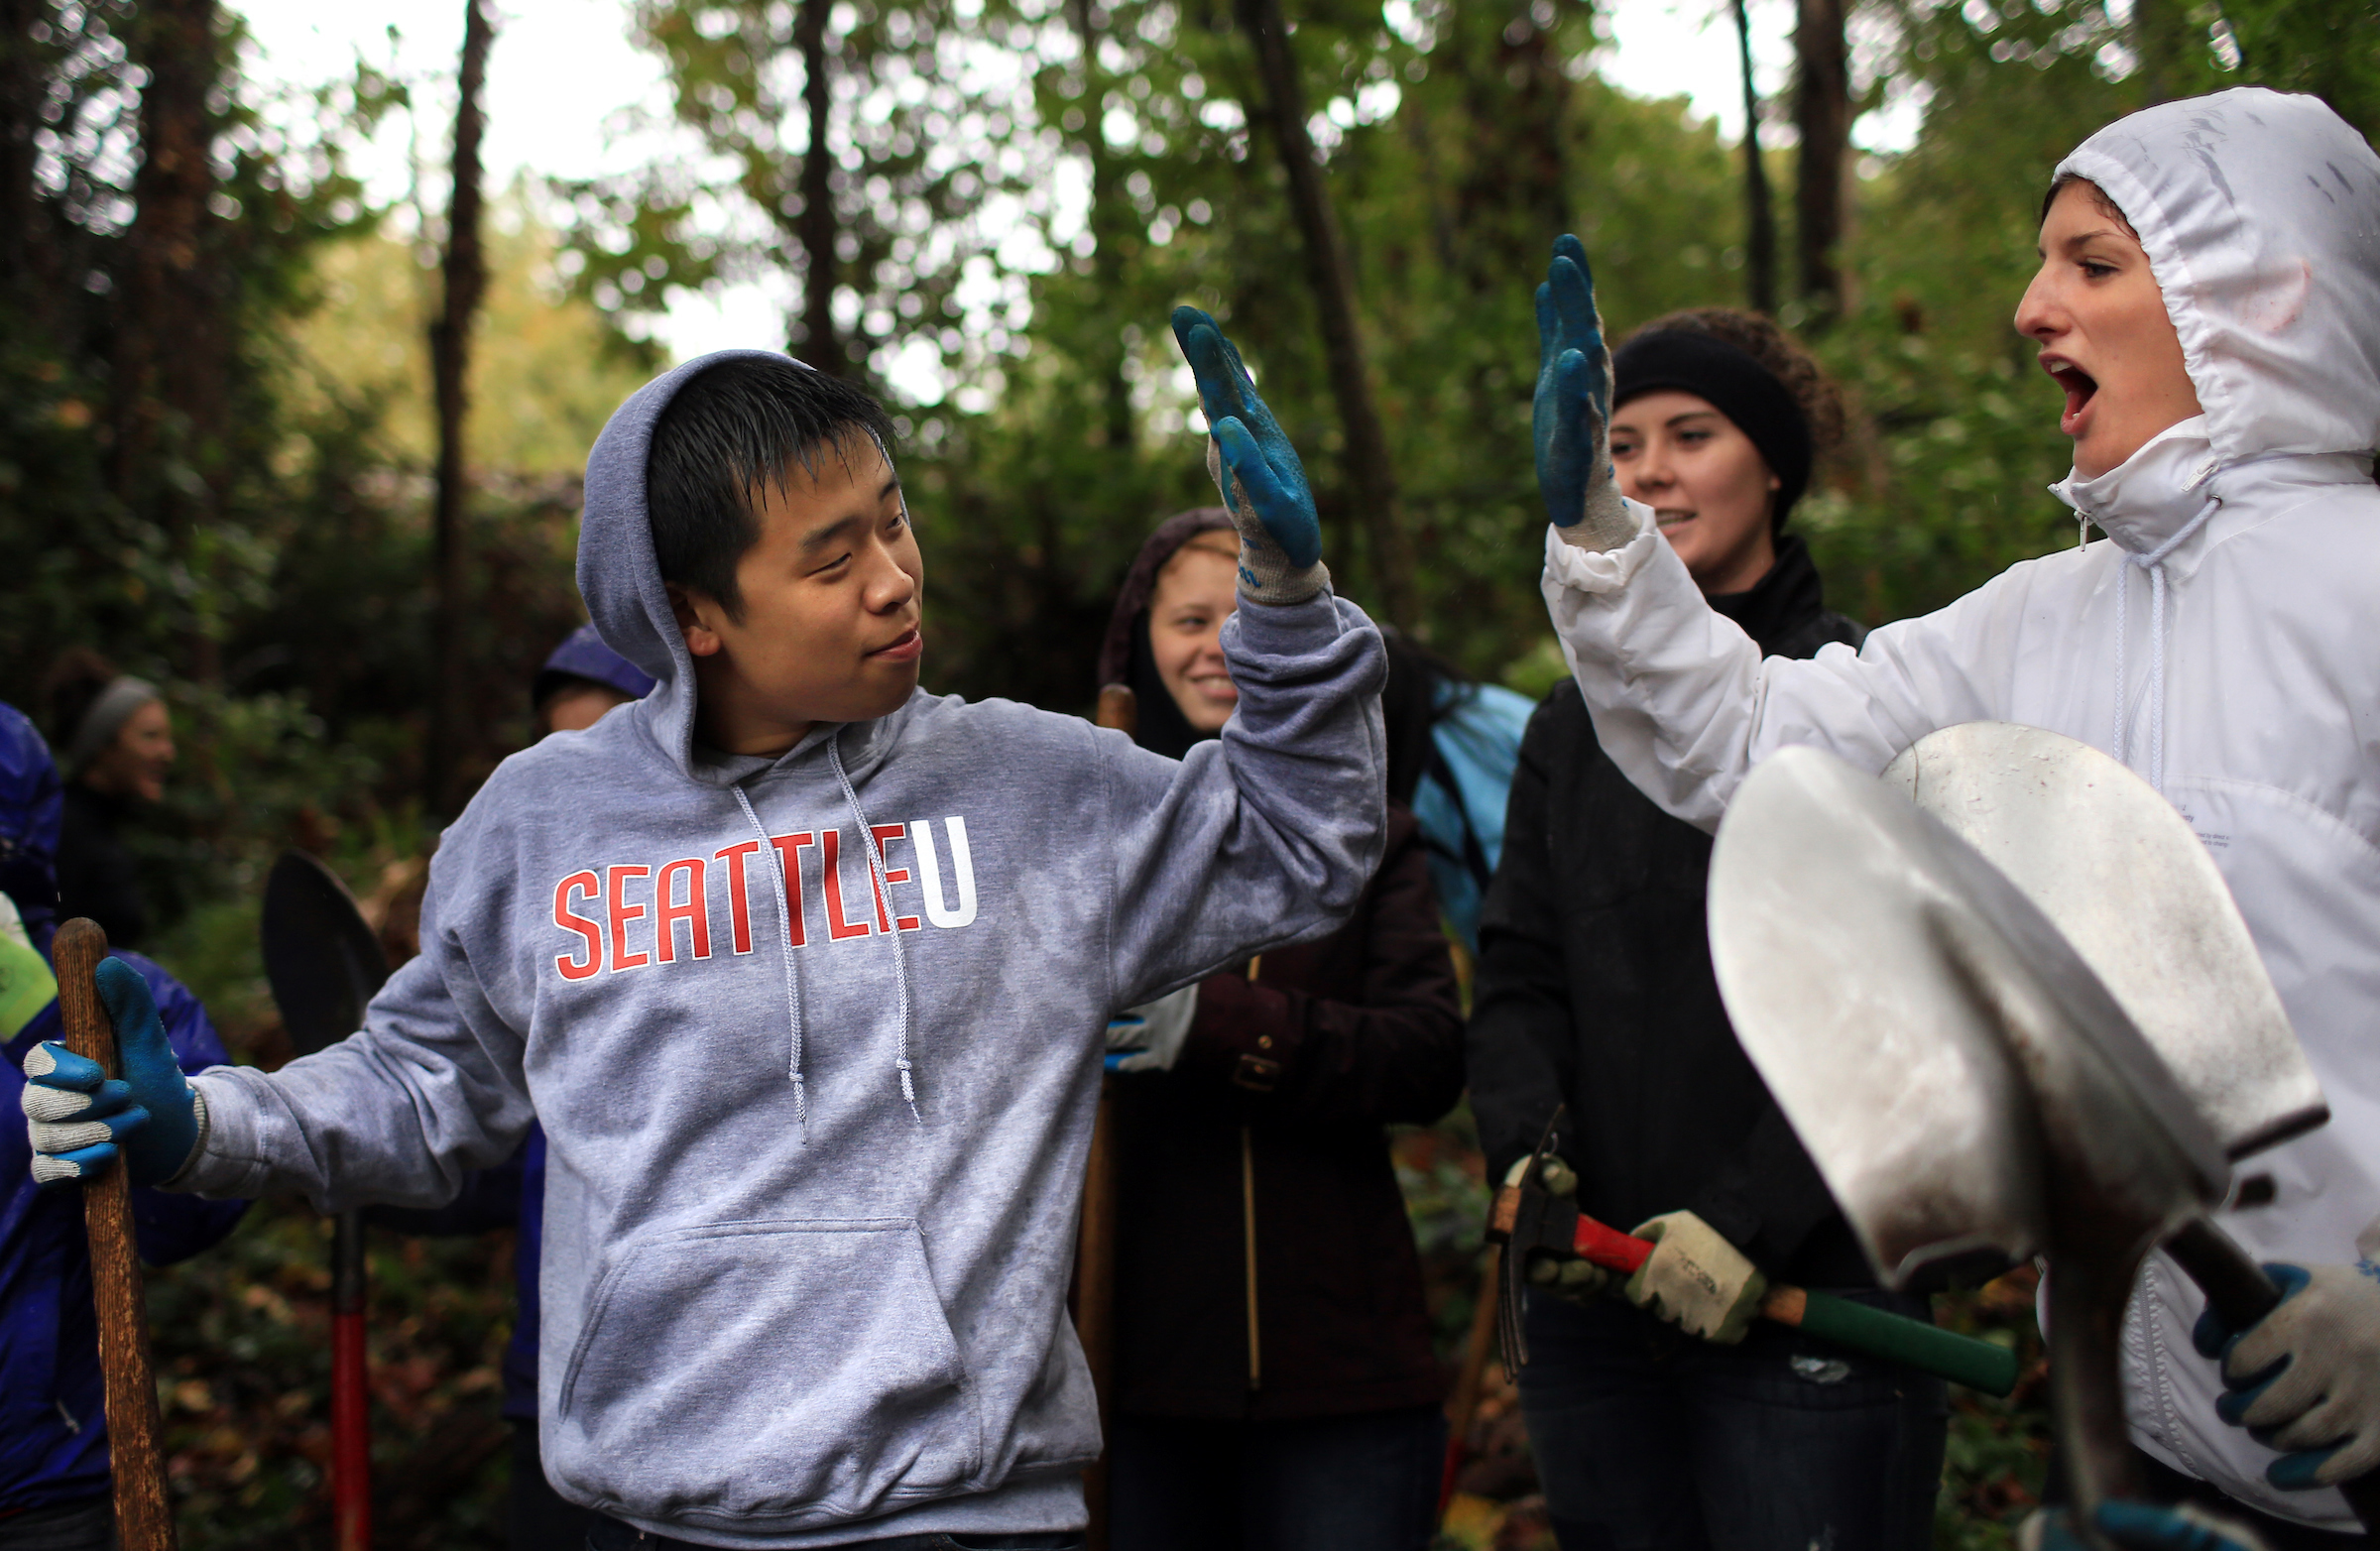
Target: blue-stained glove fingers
(1225,388)
(75,1149)
(66,1167)
(1286,512)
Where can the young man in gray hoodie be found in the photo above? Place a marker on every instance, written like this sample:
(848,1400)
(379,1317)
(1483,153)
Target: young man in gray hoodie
(805,973)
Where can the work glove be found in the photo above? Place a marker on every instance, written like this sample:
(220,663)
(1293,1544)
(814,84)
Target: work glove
(1148,1037)
(2306,1378)
(1696,1279)
(1263,483)
(2140,1526)
(1564,1275)
(1571,417)
(79,1118)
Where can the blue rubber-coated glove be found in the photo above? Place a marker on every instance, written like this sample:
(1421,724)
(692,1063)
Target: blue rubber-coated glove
(1150,1037)
(1571,417)
(1263,483)
(2306,1378)
(2141,1526)
(79,1118)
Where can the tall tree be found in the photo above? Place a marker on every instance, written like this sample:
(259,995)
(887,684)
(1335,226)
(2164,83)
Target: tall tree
(465,284)
(814,219)
(1822,112)
(174,336)
(1760,215)
(1370,473)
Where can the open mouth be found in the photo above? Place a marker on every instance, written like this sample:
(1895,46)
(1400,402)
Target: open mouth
(1668,518)
(2079,387)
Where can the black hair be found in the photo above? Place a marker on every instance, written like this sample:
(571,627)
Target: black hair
(732,431)
(2098,197)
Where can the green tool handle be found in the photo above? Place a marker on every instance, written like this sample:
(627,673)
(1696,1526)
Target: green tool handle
(1963,1359)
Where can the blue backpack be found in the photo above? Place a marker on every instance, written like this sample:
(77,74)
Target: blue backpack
(1475,747)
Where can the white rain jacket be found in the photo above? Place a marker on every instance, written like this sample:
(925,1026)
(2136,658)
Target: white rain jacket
(2223,640)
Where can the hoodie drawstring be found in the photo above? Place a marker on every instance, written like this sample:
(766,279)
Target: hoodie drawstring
(884,896)
(784,950)
(2154,563)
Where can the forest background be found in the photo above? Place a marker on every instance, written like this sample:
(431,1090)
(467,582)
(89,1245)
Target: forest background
(311,460)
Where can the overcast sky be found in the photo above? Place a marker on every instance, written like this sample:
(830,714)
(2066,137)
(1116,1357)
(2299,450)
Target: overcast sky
(562,72)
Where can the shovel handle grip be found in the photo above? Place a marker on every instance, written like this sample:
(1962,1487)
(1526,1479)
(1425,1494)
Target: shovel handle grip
(2240,1293)
(1897,1338)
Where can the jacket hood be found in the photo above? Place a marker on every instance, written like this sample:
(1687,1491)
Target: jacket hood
(1125,657)
(2260,213)
(30,808)
(618,574)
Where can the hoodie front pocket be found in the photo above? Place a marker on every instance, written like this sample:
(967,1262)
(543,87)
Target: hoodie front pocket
(798,1371)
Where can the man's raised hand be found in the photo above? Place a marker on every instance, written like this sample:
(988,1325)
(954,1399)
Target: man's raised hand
(1571,415)
(78,1119)
(1263,483)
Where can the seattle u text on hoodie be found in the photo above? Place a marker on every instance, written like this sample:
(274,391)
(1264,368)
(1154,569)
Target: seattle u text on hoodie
(814,1166)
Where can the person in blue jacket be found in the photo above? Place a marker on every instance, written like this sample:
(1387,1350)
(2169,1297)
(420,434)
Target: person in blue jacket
(54,1461)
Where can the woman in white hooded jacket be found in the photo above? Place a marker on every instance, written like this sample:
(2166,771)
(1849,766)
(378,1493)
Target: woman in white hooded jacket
(2223,639)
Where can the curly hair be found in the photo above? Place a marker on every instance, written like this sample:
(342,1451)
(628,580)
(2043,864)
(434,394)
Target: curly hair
(1766,342)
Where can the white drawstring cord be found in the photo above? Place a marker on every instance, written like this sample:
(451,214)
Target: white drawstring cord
(2154,563)
(784,953)
(890,918)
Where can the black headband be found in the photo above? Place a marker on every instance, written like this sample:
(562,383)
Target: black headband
(1738,386)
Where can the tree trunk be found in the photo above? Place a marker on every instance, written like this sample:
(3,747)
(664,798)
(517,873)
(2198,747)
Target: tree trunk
(1822,111)
(23,90)
(1761,216)
(174,319)
(1370,478)
(466,279)
(816,226)
(1107,229)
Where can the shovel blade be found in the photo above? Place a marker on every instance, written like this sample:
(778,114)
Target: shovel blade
(322,960)
(1922,1026)
(2118,871)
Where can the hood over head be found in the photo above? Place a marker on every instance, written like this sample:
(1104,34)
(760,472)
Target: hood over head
(619,576)
(30,803)
(582,654)
(2260,213)
(1125,657)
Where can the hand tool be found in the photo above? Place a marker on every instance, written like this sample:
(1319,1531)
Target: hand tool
(1530,1218)
(324,964)
(2118,870)
(1960,1076)
(144,1518)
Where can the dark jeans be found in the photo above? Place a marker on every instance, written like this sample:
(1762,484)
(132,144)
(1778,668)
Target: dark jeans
(87,1526)
(536,1515)
(610,1534)
(1365,1482)
(1648,1439)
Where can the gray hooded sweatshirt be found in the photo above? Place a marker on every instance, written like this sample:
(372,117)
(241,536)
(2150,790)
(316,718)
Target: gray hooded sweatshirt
(816,1043)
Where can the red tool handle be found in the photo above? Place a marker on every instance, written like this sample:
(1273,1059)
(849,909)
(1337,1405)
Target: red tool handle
(350,1393)
(1608,1247)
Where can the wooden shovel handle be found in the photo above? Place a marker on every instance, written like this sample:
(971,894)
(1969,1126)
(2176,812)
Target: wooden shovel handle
(144,1518)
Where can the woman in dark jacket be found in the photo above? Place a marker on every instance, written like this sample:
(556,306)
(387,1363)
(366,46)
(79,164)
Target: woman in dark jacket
(1595,1000)
(1274,1384)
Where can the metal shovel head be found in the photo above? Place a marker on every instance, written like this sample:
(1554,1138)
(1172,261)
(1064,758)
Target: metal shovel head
(322,962)
(2117,868)
(1920,1022)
